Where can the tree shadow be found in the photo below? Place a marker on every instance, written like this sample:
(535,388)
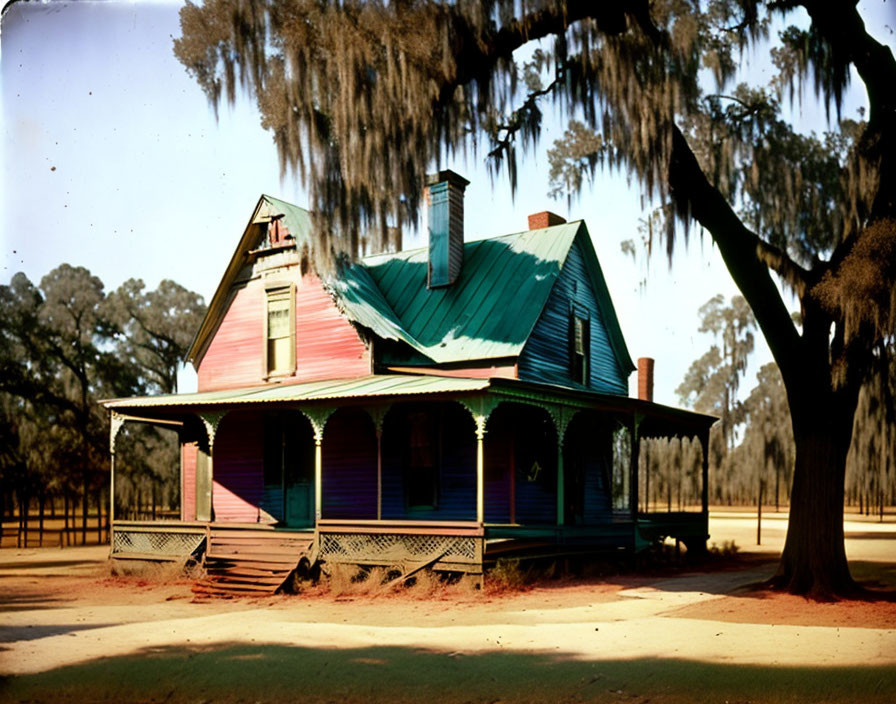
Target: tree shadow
(29,601)
(277,673)
(11,634)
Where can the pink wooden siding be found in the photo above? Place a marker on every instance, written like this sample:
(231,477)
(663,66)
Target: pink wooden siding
(188,481)
(233,357)
(239,468)
(327,345)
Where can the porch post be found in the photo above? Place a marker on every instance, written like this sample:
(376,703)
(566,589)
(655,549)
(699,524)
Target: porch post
(318,473)
(318,418)
(636,451)
(480,469)
(561,498)
(704,492)
(116,421)
(211,420)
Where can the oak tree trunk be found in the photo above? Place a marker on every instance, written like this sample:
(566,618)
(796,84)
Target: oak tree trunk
(814,558)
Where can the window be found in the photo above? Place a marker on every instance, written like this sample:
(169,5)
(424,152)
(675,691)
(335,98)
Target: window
(280,331)
(422,475)
(579,346)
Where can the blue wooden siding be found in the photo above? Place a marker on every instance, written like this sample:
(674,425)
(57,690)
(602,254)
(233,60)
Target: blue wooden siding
(546,356)
(348,455)
(520,466)
(586,465)
(455,453)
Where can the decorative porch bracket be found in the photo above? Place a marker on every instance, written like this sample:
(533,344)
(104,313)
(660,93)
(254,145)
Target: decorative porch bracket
(116,423)
(205,472)
(318,418)
(211,420)
(562,417)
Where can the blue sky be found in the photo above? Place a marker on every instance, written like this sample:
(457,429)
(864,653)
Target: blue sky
(113,160)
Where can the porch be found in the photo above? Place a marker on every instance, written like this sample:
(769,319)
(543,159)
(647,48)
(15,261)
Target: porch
(407,471)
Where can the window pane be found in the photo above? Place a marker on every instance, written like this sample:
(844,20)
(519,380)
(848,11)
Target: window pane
(279,358)
(278,320)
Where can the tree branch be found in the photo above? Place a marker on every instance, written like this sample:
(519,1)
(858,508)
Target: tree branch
(476,54)
(746,255)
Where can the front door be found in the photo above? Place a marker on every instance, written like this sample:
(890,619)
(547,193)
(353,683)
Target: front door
(289,469)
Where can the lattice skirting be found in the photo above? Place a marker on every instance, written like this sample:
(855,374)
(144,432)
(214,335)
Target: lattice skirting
(155,543)
(395,548)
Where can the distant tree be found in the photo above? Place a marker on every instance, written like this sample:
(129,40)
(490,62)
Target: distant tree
(154,329)
(768,438)
(363,97)
(712,382)
(65,345)
(871,463)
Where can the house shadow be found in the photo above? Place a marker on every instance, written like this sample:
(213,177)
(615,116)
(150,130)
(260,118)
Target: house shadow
(277,673)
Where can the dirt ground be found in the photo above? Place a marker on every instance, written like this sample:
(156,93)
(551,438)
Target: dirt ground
(664,634)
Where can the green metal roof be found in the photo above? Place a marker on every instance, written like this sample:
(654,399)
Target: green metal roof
(357,387)
(487,313)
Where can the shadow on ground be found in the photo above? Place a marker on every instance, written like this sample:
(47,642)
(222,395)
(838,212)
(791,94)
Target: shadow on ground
(274,673)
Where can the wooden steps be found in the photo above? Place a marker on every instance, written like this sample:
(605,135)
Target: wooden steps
(241,561)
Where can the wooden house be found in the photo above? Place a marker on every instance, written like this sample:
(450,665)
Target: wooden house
(441,406)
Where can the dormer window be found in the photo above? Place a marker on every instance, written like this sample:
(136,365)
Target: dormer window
(280,331)
(579,345)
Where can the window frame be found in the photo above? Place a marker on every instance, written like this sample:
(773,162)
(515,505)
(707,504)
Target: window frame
(580,363)
(275,291)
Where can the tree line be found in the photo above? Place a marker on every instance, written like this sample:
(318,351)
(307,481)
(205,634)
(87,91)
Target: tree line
(751,448)
(66,344)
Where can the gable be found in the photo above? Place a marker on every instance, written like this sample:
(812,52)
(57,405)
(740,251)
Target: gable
(580,287)
(297,221)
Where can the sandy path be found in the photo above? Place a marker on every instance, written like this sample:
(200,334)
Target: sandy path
(62,616)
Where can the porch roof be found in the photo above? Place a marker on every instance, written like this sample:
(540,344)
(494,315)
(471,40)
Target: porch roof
(653,419)
(355,387)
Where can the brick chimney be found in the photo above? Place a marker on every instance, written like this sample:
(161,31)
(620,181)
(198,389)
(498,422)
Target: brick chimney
(645,378)
(445,198)
(539,221)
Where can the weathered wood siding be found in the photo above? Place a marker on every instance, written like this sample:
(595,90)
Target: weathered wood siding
(188,481)
(349,466)
(456,463)
(238,467)
(233,357)
(546,355)
(586,464)
(327,345)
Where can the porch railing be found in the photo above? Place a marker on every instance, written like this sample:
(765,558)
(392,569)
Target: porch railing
(146,540)
(449,546)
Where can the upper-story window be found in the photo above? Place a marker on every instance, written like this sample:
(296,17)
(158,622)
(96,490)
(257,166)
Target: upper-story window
(280,331)
(579,346)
